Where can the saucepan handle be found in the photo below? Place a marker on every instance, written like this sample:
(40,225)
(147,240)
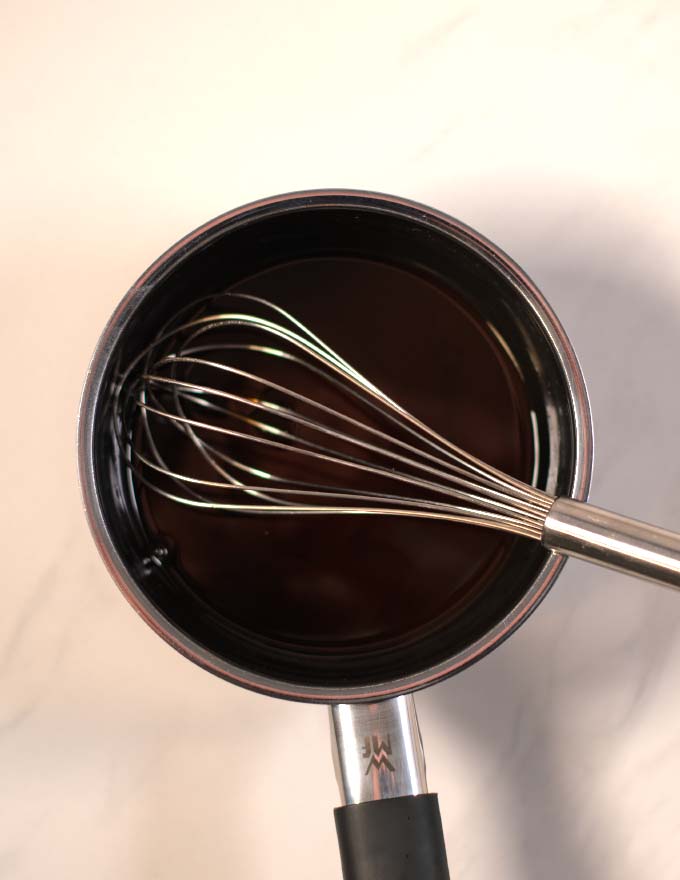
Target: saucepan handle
(393,838)
(614,541)
(389,827)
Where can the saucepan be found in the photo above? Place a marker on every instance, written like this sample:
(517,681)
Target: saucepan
(388,823)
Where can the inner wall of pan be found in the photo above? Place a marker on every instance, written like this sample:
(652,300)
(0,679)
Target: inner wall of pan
(223,259)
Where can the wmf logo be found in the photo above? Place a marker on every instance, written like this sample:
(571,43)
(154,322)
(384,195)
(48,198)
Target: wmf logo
(377,751)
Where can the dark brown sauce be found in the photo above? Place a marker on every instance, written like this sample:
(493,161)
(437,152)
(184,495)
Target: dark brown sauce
(334,582)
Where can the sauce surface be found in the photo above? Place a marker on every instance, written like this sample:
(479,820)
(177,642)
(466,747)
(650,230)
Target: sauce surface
(328,583)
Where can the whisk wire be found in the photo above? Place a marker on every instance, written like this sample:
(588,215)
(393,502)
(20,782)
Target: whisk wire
(232,428)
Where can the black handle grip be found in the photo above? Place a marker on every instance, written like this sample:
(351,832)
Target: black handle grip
(393,839)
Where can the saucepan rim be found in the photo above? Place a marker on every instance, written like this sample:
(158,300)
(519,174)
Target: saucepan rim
(276,205)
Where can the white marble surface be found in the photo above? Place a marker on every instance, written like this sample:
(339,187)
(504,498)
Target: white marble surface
(554,130)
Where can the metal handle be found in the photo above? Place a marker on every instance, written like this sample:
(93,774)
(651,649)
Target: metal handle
(615,541)
(389,826)
(377,750)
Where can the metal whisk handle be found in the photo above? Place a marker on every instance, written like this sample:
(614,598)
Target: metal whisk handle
(596,535)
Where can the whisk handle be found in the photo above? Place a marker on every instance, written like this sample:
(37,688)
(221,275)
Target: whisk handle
(596,535)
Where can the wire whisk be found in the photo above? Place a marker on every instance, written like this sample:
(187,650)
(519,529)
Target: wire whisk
(375,458)
(237,406)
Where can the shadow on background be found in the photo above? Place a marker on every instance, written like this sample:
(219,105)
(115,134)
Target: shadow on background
(543,712)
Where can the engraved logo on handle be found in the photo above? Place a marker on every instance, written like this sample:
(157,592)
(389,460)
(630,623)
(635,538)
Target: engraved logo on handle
(377,751)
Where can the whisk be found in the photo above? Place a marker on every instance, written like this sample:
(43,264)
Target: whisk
(238,407)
